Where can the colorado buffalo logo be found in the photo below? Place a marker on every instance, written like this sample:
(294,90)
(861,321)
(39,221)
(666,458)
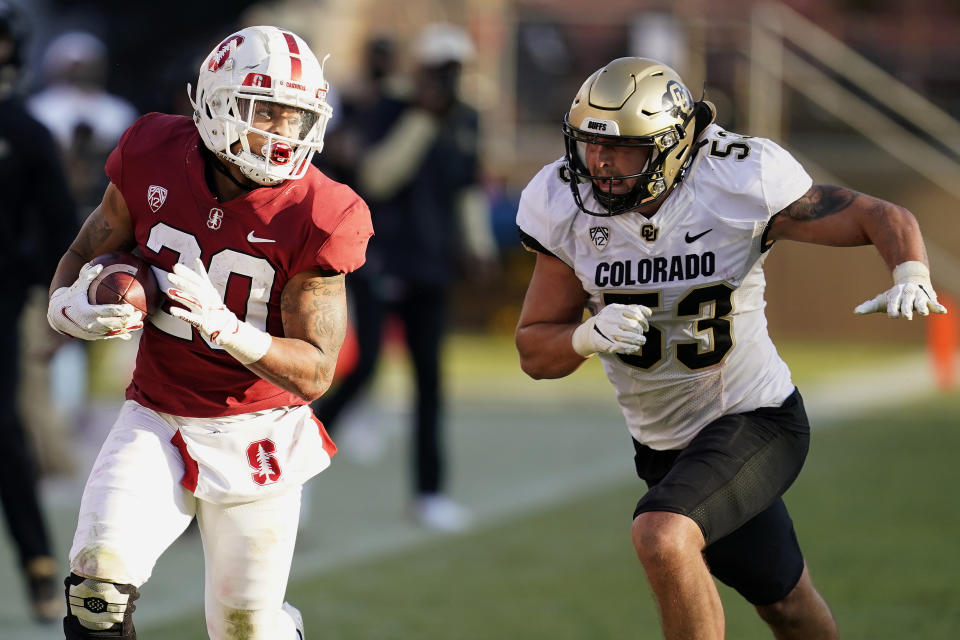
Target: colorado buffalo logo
(677,100)
(649,232)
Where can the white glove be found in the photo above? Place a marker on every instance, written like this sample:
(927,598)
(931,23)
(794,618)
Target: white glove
(618,328)
(70,311)
(911,292)
(205,311)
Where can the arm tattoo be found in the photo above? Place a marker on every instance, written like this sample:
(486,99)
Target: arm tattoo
(320,304)
(819,202)
(93,234)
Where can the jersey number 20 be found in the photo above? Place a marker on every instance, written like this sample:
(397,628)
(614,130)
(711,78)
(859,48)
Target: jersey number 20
(224,265)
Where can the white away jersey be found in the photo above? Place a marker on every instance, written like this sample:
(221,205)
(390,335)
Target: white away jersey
(697,263)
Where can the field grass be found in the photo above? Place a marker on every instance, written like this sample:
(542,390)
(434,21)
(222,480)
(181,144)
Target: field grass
(875,510)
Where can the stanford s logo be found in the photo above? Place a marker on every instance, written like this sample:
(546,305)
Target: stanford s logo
(156,196)
(258,80)
(262,456)
(600,236)
(219,58)
(215,219)
(649,232)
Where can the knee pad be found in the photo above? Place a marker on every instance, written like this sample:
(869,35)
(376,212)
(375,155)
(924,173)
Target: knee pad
(99,609)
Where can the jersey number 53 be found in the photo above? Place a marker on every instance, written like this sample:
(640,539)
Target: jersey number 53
(708,308)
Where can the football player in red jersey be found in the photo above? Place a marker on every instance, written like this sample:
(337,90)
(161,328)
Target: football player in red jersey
(250,242)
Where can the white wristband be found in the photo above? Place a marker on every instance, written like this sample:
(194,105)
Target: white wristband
(581,341)
(247,344)
(911,271)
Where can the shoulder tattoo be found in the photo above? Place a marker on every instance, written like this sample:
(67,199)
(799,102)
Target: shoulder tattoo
(819,202)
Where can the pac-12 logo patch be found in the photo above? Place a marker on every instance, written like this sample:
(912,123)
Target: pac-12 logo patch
(600,236)
(156,196)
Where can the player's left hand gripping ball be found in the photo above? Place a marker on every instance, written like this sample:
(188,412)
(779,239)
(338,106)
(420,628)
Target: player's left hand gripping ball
(70,311)
(205,310)
(911,292)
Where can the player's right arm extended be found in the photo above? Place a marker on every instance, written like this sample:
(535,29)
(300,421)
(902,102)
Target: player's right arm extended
(107,229)
(841,217)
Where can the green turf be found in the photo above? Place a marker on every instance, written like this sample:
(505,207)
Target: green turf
(490,365)
(875,510)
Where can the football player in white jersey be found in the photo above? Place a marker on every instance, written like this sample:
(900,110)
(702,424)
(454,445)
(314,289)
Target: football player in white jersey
(658,221)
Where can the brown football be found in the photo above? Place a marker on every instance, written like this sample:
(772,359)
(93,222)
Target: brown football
(125,278)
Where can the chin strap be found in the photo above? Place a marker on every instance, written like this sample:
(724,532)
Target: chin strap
(217,164)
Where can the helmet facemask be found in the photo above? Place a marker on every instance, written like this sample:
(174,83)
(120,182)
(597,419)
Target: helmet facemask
(264,156)
(650,184)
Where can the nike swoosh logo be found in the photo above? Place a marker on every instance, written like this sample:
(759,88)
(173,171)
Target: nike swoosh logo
(63,311)
(253,238)
(689,238)
(601,334)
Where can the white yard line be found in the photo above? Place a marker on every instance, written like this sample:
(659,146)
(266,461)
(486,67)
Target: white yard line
(835,398)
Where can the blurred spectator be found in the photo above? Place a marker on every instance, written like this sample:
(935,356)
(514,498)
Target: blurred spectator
(355,115)
(36,225)
(84,118)
(86,121)
(419,172)
(151,44)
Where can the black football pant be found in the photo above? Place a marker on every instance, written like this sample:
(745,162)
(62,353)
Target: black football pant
(18,476)
(422,311)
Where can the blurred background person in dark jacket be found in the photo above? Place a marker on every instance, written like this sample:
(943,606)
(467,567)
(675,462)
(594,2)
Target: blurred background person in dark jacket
(36,224)
(420,172)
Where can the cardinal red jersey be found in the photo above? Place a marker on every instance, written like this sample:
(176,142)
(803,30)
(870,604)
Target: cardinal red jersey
(251,247)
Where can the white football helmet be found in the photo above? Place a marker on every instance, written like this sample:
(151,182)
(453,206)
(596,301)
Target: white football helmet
(262,64)
(632,102)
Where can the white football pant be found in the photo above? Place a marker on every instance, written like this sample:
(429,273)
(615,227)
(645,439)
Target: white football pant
(134,507)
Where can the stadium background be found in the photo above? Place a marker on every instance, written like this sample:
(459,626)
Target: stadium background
(546,465)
